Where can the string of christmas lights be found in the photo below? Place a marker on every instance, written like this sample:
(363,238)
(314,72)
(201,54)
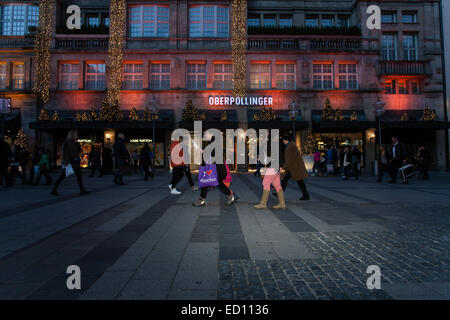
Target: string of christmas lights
(266,114)
(429,115)
(191,113)
(239,47)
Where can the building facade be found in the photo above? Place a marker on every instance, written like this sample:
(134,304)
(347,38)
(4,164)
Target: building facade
(299,53)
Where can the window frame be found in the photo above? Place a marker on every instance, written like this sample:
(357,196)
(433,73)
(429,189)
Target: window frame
(71,74)
(393,14)
(157,23)
(3,75)
(410,53)
(15,75)
(409,13)
(216,22)
(96,74)
(322,74)
(134,76)
(222,74)
(386,52)
(160,73)
(259,74)
(30,10)
(197,74)
(347,74)
(284,75)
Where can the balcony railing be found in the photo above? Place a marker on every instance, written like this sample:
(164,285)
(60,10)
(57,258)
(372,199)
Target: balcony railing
(403,68)
(302,43)
(273,44)
(17,42)
(81,43)
(335,44)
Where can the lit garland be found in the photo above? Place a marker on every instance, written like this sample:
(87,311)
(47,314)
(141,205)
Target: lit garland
(148,115)
(42,74)
(93,114)
(404,117)
(133,115)
(43,115)
(82,117)
(191,113)
(224,116)
(338,115)
(429,115)
(327,112)
(353,116)
(239,47)
(115,52)
(266,114)
(21,140)
(309,145)
(55,116)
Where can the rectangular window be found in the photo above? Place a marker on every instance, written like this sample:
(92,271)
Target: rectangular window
(390,87)
(402,87)
(15,19)
(286,76)
(327,21)
(253,20)
(312,20)
(95,76)
(389,47)
(323,76)
(409,17)
(160,76)
(389,17)
(260,76)
(18,77)
(270,20)
(149,21)
(415,88)
(68,76)
(285,20)
(343,21)
(133,76)
(348,77)
(208,21)
(223,76)
(410,47)
(196,76)
(3,73)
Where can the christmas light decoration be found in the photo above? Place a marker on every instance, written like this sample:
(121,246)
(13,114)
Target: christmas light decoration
(404,117)
(55,116)
(429,115)
(239,47)
(43,114)
(338,115)
(82,117)
(327,112)
(110,113)
(309,145)
(148,115)
(133,115)
(191,113)
(224,116)
(353,116)
(115,53)
(21,140)
(41,88)
(93,115)
(266,114)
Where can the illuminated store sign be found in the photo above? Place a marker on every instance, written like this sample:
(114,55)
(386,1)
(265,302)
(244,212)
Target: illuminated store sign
(240,101)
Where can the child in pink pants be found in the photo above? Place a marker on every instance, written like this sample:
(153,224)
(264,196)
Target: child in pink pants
(271,177)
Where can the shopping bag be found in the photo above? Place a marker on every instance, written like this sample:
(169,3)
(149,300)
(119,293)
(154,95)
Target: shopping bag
(330,168)
(407,172)
(207,176)
(69,170)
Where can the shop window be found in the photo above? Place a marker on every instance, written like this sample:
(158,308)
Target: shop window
(160,76)
(149,21)
(389,47)
(312,20)
(260,76)
(285,20)
(402,87)
(390,87)
(95,76)
(323,76)
(3,74)
(410,46)
(18,77)
(68,76)
(133,76)
(15,19)
(348,77)
(286,76)
(270,20)
(196,76)
(327,21)
(254,20)
(208,21)
(409,17)
(223,76)
(389,17)
(415,87)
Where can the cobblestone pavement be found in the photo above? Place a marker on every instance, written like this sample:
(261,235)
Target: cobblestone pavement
(140,242)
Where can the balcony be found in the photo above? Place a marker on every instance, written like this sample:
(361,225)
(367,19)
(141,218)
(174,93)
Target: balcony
(413,68)
(23,42)
(81,42)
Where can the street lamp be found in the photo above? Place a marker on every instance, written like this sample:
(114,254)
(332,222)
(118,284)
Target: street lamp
(293,113)
(153,109)
(379,112)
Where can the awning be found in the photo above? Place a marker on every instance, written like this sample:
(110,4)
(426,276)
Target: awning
(214,119)
(281,121)
(68,121)
(392,119)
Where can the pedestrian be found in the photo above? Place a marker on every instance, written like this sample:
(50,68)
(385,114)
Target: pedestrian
(95,160)
(316,159)
(44,168)
(334,159)
(179,168)
(258,168)
(107,165)
(135,159)
(221,176)
(24,158)
(122,158)
(356,162)
(146,161)
(294,167)
(5,158)
(347,162)
(228,179)
(398,159)
(424,161)
(271,177)
(383,163)
(71,150)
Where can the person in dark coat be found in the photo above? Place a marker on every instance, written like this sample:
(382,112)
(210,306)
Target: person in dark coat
(295,168)
(5,158)
(146,161)
(95,159)
(423,161)
(24,157)
(71,156)
(122,158)
(346,162)
(356,161)
(398,159)
(107,165)
(383,163)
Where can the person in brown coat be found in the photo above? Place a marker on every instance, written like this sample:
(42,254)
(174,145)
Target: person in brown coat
(294,166)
